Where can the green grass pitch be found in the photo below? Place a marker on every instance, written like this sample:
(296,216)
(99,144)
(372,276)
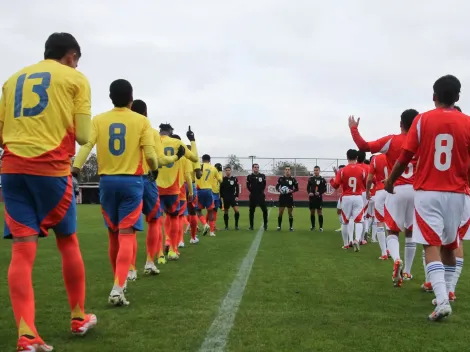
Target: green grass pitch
(304,294)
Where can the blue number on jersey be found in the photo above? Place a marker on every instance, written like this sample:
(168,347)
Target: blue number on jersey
(117,132)
(169,151)
(208,173)
(40,89)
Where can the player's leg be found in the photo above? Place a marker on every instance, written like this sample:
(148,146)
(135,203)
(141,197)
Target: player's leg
(150,208)
(346,214)
(264,209)
(132,273)
(204,201)
(282,206)
(320,215)
(236,213)
(358,216)
(290,212)
(339,213)
(253,203)
(193,220)
(464,235)
(171,206)
(379,208)
(311,206)
(182,215)
(226,213)
(410,246)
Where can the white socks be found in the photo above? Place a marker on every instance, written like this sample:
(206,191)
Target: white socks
(436,276)
(382,240)
(393,246)
(410,251)
(351,231)
(340,219)
(449,273)
(344,233)
(359,228)
(424,266)
(374,231)
(458,271)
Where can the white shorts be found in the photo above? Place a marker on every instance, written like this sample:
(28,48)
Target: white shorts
(379,203)
(364,201)
(464,229)
(399,209)
(438,216)
(370,208)
(352,209)
(338,206)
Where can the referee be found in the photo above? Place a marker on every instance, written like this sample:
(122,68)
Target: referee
(229,191)
(316,187)
(286,200)
(256,184)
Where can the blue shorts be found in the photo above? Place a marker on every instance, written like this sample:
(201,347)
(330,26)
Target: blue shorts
(121,201)
(183,207)
(151,199)
(217,203)
(170,204)
(193,205)
(35,204)
(205,199)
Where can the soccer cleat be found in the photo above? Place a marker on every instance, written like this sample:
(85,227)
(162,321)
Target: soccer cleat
(181,244)
(312,229)
(195,241)
(397,276)
(441,311)
(212,234)
(345,247)
(173,256)
(339,230)
(265,227)
(407,276)
(117,298)
(321,230)
(384,257)
(162,260)
(151,269)
(226,228)
(363,242)
(132,275)
(81,326)
(32,345)
(278,228)
(291,229)
(356,246)
(251,228)
(206,230)
(427,287)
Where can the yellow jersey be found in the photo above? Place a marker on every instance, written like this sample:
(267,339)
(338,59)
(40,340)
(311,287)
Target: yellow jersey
(216,183)
(37,108)
(120,135)
(209,173)
(162,158)
(186,169)
(168,180)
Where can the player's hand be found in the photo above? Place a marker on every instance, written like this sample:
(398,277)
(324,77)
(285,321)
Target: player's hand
(236,199)
(181,151)
(388,185)
(335,170)
(310,194)
(190,135)
(152,175)
(76,187)
(353,122)
(317,194)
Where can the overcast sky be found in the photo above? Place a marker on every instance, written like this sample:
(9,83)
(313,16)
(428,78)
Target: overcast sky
(272,78)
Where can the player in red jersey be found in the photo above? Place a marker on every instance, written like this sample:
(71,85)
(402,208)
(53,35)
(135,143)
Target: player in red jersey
(352,179)
(369,219)
(361,158)
(338,205)
(442,139)
(399,206)
(378,171)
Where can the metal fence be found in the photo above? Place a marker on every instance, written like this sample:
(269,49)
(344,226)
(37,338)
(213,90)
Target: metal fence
(275,166)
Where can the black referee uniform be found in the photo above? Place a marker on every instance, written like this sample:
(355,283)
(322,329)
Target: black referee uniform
(229,191)
(316,187)
(256,184)
(286,200)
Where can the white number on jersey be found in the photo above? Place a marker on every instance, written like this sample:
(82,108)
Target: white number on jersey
(408,172)
(352,183)
(446,150)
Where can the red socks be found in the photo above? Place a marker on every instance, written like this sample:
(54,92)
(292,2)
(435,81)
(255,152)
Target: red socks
(124,258)
(203,221)
(193,224)
(159,248)
(152,238)
(134,255)
(174,228)
(20,283)
(113,248)
(73,271)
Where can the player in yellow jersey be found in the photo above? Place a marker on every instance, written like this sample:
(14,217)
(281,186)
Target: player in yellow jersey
(216,192)
(151,201)
(44,110)
(168,183)
(120,136)
(204,193)
(192,205)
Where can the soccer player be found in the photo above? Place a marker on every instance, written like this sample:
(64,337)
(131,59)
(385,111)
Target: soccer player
(256,184)
(204,193)
(286,200)
(229,191)
(441,138)
(192,205)
(216,191)
(361,161)
(378,170)
(169,186)
(316,187)
(338,205)
(44,110)
(120,136)
(151,200)
(399,206)
(352,179)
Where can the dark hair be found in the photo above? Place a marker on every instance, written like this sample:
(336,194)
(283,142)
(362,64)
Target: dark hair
(206,157)
(252,166)
(228,167)
(218,164)
(407,117)
(59,44)
(165,127)
(139,107)
(341,166)
(120,92)
(316,167)
(457,108)
(447,90)
(175,136)
(361,156)
(351,154)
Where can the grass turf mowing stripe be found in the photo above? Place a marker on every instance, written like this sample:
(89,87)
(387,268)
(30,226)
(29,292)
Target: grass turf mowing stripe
(217,336)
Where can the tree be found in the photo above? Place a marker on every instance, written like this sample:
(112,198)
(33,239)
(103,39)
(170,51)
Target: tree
(89,171)
(235,163)
(297,169)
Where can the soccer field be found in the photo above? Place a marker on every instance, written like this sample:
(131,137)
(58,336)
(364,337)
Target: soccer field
(304,293)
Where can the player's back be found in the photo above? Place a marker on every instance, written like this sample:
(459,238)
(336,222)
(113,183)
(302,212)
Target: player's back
(444,139)
(40,103)
(380,170)
(169,177)
(119,134)
(352,179)
(208,177)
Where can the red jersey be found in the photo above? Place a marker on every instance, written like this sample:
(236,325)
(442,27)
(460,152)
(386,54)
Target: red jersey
(379,168)
(391,146)
(442,139)
(352,179)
